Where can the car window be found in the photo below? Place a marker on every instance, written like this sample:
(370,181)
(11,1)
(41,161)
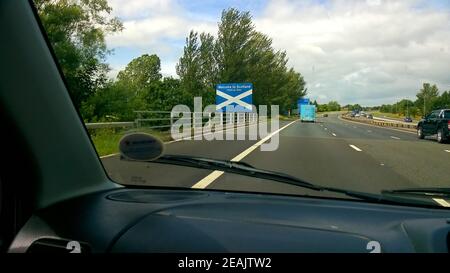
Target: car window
(446,114)
(314,90)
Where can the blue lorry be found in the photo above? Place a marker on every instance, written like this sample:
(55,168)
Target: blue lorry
(308,113)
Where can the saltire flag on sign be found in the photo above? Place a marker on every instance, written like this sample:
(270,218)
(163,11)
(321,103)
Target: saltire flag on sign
(238,95)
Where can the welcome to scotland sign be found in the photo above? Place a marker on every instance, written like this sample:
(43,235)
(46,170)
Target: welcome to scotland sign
(238,95)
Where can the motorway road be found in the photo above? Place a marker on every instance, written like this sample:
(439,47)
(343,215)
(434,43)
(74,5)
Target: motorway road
(331,152)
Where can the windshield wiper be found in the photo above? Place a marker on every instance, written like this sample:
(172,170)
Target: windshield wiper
(234,167)
(417,196)
(424,192)
(243,168)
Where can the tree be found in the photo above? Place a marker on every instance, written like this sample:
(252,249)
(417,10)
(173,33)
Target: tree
(443,101)
(233,50)
(138,87)
(322,108)
(165,94)
(239,54)
(426,97)
(334,106)
(247,55)
(403,107)
(292,89)
(354,107)
(141,72)
(114,100)
(208,66)
(189,67)
(76,30)
(146,87)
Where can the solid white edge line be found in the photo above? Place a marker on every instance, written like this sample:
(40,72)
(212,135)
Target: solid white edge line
(110,155)
(355,148)
(259,143)
(206,181)
(448,151)
(442,202)
(394,137)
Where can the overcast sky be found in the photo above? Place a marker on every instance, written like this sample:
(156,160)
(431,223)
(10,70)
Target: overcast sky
(367,52)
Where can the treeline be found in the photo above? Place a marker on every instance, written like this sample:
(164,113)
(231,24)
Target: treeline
(428,99)
(331,106)
(140,86)
(335,106)
(238,53)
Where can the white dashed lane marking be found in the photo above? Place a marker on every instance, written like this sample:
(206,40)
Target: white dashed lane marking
(442,202)
(355,148)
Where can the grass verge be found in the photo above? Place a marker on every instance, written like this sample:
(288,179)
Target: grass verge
(392,115)
(106,141)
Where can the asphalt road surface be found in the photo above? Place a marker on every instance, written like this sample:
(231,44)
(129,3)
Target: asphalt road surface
(331,152)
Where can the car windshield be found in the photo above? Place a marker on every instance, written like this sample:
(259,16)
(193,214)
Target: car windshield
(329,92)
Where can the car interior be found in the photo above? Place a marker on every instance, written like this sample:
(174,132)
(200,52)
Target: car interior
(54,189)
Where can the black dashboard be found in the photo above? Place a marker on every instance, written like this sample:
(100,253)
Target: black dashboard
(163,220)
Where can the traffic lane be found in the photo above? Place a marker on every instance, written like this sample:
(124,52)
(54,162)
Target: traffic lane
(426,163)
(305,130)
(217,149)
(308,152)
(350,130)
(346,129)
(337,128)
(155,174)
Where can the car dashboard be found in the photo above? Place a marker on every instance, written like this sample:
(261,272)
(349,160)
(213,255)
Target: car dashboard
(158,220)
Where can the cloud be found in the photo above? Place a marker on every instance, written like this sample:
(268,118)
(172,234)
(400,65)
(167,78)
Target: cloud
(132,9)
(368,52)
(156,27)
(373,2)
(365,52)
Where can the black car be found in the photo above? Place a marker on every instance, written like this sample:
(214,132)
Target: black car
(437,122)
(407,119)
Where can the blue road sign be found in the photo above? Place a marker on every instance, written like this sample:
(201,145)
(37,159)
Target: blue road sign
(238,95)
(303,101)
(300,102)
